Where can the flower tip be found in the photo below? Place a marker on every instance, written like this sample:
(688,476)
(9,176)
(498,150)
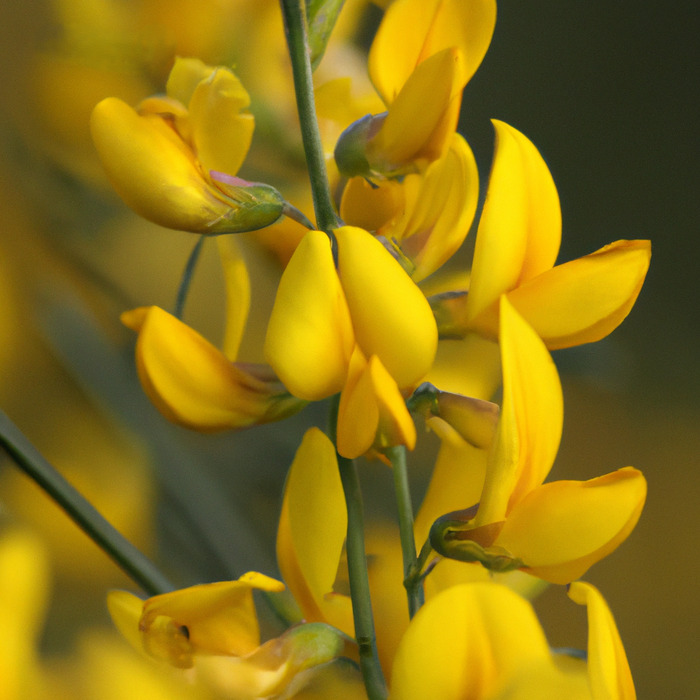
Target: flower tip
(135,318)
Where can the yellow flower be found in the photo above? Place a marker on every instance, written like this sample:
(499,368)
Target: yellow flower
(483,642)
(194,384)
(555,531)
(172,160)
(427,215)
(517,244)
(320,314)
(213,628)
(421,58)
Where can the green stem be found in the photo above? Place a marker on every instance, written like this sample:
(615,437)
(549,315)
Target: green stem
(414,589)
(133,562)
(294,14)
(359,583)
(372,673)
(186,278)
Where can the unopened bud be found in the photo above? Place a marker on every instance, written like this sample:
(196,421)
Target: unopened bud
(351,150)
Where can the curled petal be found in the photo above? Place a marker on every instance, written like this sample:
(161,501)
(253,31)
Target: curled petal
(414,30)
(530,425)
(442,212)
(310,337)
(608,669)
(421,120)
(583,300)
(562,528)
(184,77)
(312,531)
(193,384)
(391,317)
(217,618)
(222,128)
(153,171)
(372,411)
(465,642)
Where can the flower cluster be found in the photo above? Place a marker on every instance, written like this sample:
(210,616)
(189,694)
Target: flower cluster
(364,316)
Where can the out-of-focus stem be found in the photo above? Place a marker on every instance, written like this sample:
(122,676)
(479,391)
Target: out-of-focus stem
(414,588)
(294,15)
(133,562)
(186,278)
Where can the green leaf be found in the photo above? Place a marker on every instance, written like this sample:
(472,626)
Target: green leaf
(321,16)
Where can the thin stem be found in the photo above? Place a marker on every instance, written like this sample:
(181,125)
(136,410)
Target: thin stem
(414,589)
(133,562)
(186,278)
(294,14)
(359,583)
(372,673)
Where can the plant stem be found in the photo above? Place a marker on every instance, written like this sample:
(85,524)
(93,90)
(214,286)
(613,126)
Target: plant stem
(186,278)
(359,583)
(133,562)
(414,589)
(372,673)
(294,14)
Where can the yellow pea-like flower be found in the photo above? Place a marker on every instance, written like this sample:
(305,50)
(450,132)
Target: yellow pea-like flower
(195,385)
(555,531)
(482,641)
(172,160)
(320,314)
(517,243)
(213,629)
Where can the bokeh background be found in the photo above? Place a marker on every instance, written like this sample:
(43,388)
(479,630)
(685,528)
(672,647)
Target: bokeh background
(609,94)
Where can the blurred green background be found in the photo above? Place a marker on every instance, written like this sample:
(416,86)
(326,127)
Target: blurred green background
(609,94)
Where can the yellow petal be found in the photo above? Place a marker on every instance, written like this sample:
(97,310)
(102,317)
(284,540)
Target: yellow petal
(562,528)
(414,30)
(312,530)
(474,419)
(372,411)
(608,670)
(184,77)
(309,337)
(358,412)
(125,609)
(471,367)
(465,642)
(222,128)
(444,210)
(372,207)
(501,240)
(423,117)
(544,680)
(544,211)
(391,317)
(457,480)
(237,293)
(530,425)
(152,169)
(219,617)
(190,381)
(340,680)
(583,300)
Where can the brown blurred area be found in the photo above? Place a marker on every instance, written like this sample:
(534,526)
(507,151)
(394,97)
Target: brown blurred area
(609,94)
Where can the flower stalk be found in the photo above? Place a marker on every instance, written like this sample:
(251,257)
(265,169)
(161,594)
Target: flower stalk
(134,563)
(414,586)
(298,42)
(187,274)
